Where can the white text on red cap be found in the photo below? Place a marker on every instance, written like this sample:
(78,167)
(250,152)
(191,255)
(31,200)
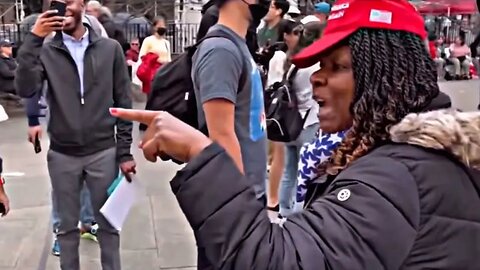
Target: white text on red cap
(340,7)
(341,11)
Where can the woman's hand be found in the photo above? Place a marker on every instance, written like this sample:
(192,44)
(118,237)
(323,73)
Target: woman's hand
(165,135)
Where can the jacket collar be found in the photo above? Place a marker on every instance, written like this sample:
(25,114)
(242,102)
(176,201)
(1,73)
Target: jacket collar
(57,40)
(441,102)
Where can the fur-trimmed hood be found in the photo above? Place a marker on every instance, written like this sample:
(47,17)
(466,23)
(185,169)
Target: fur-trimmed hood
(443,129)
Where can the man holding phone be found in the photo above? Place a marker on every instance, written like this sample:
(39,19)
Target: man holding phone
(36,108)
(86,74)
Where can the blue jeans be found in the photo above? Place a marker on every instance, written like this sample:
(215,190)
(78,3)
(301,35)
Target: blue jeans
(86,210)
(288,184)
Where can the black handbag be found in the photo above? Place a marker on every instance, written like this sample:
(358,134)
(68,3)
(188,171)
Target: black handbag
(284,121)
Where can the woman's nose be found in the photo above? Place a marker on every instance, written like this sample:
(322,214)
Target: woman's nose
(318,79)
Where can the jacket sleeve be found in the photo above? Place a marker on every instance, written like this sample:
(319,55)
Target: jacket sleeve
(5,71)
(354,225)
(33,110)
(29,74)
(122,99)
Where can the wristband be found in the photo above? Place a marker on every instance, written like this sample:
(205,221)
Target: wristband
(2,181)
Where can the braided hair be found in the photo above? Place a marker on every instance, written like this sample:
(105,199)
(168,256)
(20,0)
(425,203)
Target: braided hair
(394,76)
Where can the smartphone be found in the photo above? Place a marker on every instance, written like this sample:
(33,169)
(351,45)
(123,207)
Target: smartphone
(37,146)
(59,5)
(2,209)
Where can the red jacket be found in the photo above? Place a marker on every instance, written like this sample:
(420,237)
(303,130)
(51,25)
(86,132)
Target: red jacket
(147,69)
(433,49)
(132,55)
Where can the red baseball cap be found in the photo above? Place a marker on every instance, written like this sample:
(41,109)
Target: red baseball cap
(348,16)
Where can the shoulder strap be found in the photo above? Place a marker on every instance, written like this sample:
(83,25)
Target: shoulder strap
(288,78)
(222,34)
(292,75)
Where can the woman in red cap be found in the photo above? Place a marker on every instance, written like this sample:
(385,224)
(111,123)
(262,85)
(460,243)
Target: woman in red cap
(401,190)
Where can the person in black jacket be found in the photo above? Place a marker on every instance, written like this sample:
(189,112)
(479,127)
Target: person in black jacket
(85,74)
(104,16)
(209,18)
(401,191)
(7,67)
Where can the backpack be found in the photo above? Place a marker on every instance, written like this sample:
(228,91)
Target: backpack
(284,121)
(173,90)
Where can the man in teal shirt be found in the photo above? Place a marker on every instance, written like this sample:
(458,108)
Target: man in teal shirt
(268,34)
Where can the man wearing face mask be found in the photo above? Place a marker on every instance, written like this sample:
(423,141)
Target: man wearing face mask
(229,89)
(210,18)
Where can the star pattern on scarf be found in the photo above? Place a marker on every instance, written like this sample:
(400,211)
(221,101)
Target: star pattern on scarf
(311,156)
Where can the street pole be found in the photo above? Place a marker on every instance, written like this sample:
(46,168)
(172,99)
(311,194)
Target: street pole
(22,11)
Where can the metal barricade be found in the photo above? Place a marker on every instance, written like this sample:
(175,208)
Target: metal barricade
(180,35)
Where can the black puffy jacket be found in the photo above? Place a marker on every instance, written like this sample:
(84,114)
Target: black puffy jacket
(408,204)
(8,65)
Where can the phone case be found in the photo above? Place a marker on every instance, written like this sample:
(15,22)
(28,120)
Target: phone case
(60,6)
(37,146)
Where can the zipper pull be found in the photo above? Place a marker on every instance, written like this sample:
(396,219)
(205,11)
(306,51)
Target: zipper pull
(82,101)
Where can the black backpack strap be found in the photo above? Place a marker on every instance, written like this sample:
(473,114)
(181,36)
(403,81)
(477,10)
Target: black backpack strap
(292,76)
(288,78)
(222,34)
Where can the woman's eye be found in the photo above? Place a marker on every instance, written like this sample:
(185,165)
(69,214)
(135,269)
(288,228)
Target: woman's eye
(339,67)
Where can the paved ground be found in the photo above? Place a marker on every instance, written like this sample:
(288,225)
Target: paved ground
(156,235)
(465,95)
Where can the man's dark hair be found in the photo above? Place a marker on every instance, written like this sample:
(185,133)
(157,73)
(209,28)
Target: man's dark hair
(394,76)
(284,5)
(210,18)
(286,27)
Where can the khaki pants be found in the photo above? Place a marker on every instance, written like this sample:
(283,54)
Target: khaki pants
(462,68)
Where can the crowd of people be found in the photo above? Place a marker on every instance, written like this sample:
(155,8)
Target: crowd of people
(333,121)
(455,61)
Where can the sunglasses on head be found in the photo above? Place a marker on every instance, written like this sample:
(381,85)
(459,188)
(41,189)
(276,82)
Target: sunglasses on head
(298,30)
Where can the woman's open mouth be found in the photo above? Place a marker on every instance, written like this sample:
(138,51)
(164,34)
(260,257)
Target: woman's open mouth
(321,102)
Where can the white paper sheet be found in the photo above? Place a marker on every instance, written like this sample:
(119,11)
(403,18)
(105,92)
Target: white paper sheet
(117,206)
(3,114)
